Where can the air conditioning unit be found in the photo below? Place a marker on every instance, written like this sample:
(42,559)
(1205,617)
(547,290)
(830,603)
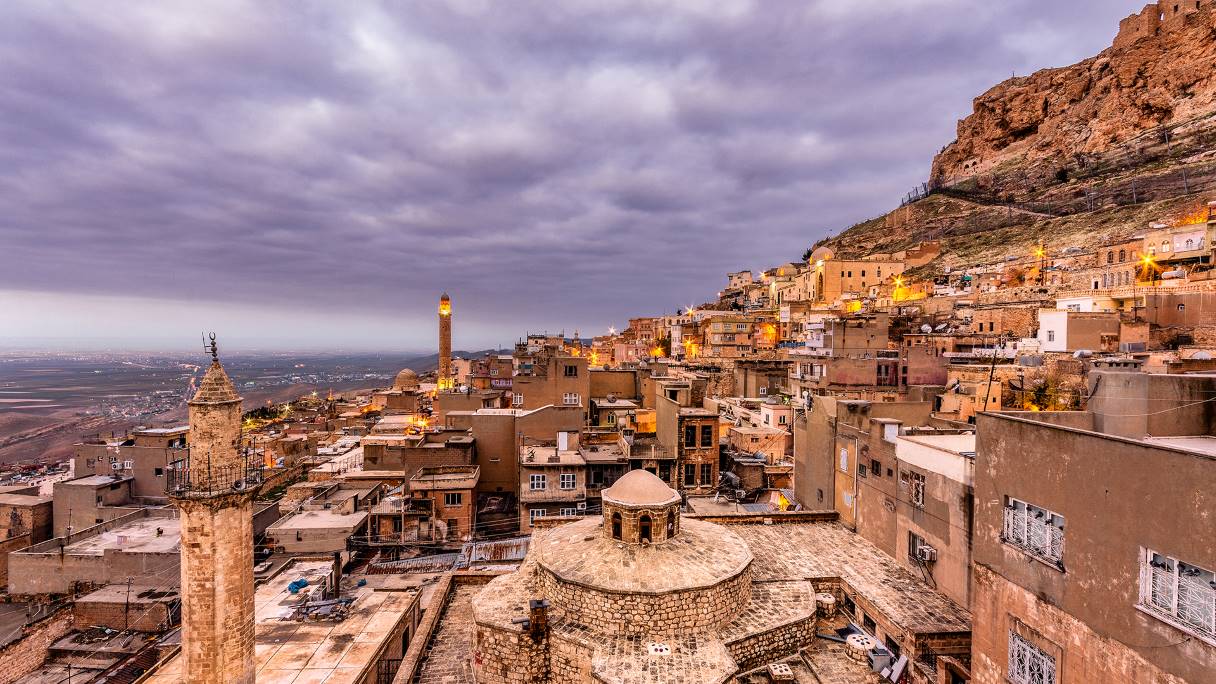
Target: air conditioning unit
(582,505)
(926,553)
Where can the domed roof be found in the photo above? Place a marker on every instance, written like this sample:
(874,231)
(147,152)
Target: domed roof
(405,380)
(641,488)
(824,253)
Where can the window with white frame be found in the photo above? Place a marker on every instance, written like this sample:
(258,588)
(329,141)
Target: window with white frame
(1028,664)
(570,398)
(452,499)
(1035,530)
(568,512)
(534,513)
(1051,336)
(566,481)
(517,399)
(536,482)
(914,483)
(1179,593)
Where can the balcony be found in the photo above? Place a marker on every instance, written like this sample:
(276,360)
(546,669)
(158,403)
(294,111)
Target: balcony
(201,479)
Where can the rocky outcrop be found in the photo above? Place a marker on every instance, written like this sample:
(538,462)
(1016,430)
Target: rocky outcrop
(1159,75)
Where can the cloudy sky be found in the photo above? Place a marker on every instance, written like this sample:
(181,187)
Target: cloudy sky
(316,173)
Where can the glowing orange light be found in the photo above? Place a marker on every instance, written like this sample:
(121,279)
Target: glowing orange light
(1198,215)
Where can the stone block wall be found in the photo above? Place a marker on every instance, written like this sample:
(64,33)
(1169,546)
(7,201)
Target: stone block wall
(27,653)
(510,657)
(766,647)
(664,614)
(140,617)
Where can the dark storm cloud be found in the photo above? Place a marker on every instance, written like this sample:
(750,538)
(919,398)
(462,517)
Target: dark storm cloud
(557,163)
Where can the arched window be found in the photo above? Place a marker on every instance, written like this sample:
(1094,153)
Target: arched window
(1190,244)
(1122,255)
(1165,246)
(616,525)
(644,528)
(1110,257)
(671,524)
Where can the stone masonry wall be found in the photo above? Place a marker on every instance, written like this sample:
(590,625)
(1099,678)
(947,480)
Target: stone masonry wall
(217,589)
(510,657)
(766,647)
(636,614)
(27,654)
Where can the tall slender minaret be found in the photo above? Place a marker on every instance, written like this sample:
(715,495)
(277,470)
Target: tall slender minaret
(445,343)
(214,494)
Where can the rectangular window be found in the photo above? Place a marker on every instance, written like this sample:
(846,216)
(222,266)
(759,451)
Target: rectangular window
(534,513)
(570,371)
(569,512)
(1035,530)
(690,436)
(536,482)
(570,399)
(914,483)
(707,436)
(1179,593)
(159,472)
(567,481)
(690,474)
(876,466)
(452,499)
(517,399)
(1028,664)
(915,541)
(1051,336)
(707,474)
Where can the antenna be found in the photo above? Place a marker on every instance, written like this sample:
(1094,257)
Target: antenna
(211,347)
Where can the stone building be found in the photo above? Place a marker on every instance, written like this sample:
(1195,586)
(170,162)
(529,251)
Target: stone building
(642,593)
(686,597)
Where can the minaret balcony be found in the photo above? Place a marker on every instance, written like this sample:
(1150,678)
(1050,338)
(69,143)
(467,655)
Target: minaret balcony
(196,477)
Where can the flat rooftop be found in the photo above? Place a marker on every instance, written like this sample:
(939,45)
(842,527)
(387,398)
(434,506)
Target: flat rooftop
(548,455)
(335,652)
(1200,444)
(445,477)
(140,536)
(958,444)
(320,520)
(98,480)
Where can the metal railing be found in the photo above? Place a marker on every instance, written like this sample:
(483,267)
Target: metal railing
(184,478)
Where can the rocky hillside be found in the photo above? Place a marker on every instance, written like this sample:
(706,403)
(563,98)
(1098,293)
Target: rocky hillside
(1157,80)
(1073,156)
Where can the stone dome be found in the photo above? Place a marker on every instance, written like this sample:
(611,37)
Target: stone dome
(406,380)
(641,488)
(824,253)
(641,509)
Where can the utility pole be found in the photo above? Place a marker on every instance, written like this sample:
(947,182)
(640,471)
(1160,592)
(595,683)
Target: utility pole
(126,611)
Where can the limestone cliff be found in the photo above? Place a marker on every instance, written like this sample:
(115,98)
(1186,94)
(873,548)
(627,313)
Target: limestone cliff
(1158,77)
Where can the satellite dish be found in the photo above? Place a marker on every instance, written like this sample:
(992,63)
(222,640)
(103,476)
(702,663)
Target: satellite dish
(926,328)
(1203,356)
(1082,354)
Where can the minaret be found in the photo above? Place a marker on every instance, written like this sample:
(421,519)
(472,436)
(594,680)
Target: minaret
(214,494)
(445,343)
